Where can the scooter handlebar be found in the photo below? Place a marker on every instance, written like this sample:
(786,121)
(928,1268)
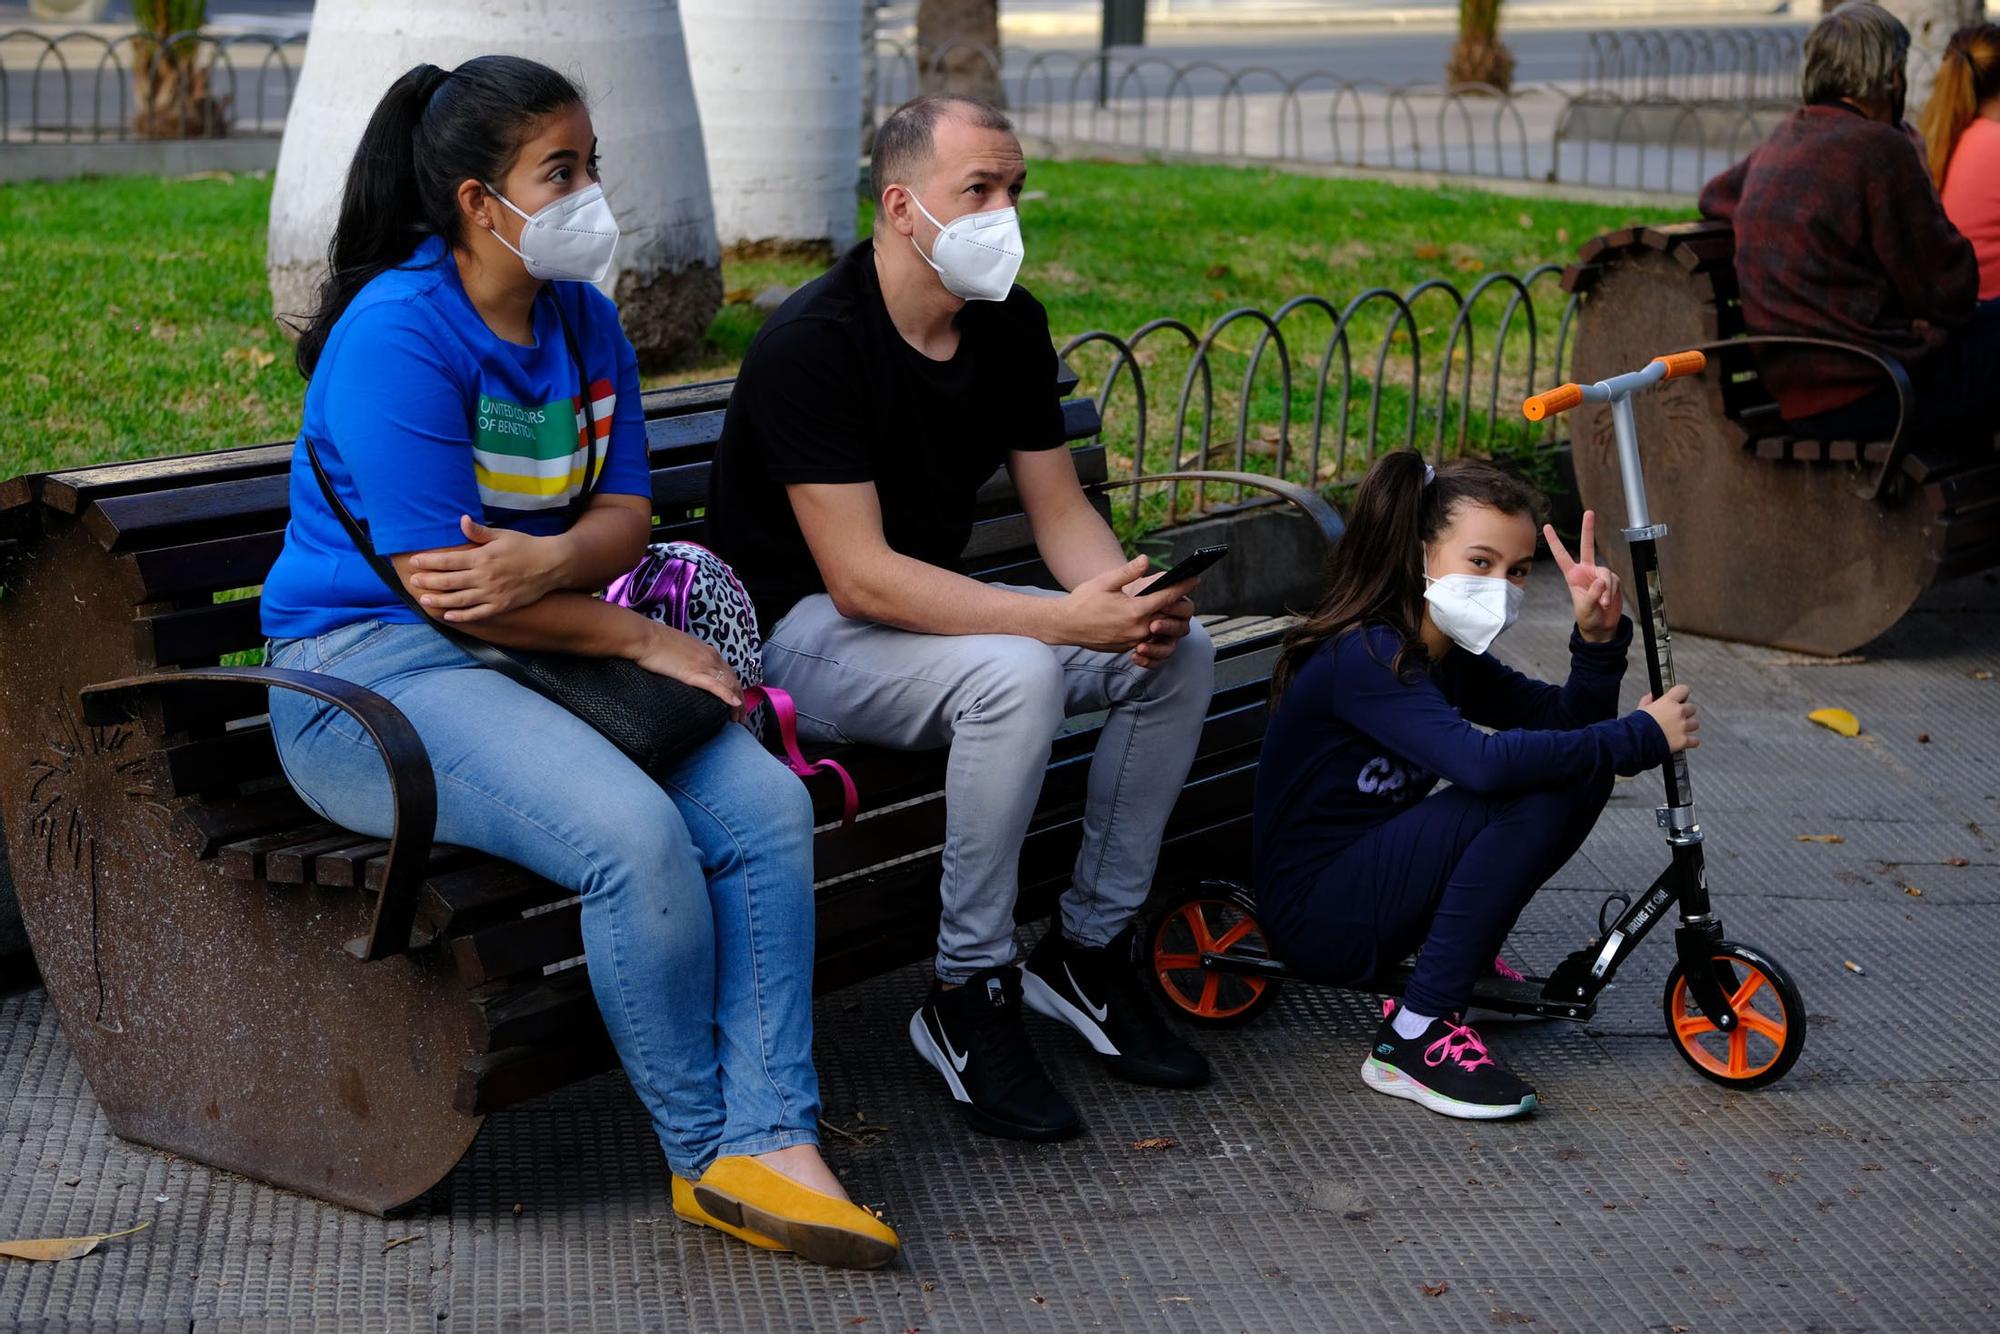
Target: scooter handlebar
(1564,397)
(1683,363)
(1558,400)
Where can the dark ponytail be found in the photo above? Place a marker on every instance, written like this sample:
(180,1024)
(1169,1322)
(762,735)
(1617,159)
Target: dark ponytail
(432,131)
(1376,576)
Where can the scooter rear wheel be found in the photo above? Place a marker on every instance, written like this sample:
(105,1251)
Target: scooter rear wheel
(1771,1028)
(1213,917)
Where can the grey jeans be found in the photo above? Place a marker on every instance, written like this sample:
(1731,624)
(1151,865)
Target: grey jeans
(997,701)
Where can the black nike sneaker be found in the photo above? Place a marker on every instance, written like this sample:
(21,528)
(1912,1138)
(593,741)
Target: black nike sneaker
(972,1034)
(1447,1069)
(1097,990)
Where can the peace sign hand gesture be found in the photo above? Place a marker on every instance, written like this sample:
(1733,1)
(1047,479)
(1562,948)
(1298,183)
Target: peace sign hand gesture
(1593,588)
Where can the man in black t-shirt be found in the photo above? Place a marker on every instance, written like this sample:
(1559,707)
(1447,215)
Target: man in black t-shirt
(867,414)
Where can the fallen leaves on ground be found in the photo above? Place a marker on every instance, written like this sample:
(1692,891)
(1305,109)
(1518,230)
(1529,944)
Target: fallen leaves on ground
(394,1242)
(1821,838)
(1956,861)
(1437,1289)
(1913,891)
(62,1248)
(1836,720)
(1156,1143)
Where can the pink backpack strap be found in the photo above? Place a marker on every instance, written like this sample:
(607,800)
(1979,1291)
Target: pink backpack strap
(787,715)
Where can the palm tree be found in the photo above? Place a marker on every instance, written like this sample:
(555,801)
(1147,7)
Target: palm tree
(1480,56)
(667,279)
(170,86)
(778,82)
(958,48)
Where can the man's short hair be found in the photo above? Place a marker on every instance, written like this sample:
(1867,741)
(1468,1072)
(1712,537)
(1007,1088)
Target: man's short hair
(907,140)
(1856,51)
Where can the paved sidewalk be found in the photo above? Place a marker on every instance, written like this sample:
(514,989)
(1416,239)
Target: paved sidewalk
(1859,1194)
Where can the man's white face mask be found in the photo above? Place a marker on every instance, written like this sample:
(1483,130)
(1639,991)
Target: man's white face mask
(976,255)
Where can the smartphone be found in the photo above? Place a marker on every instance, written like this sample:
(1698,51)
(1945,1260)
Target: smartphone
(1187,569)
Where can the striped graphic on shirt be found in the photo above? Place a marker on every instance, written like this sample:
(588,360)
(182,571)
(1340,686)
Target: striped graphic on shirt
(531,458)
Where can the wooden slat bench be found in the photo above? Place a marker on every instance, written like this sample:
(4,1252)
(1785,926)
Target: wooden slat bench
(1812,545)
(252,987)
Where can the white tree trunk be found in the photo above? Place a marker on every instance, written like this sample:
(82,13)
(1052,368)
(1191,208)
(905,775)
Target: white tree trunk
(1931,24)
(629,58)
(778,82)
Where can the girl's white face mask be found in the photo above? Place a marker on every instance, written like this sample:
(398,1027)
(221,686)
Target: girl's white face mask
(1472,609)
(977,255)
(572,240)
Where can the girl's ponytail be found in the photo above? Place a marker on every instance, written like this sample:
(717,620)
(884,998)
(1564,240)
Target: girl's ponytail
(1377,572)
(381,213)
(432,131)
(1968,76)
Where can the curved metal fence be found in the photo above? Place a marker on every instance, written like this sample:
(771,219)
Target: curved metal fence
(1644,118)
(1695,64)
(1314,390)
(85,87)
(1140,101)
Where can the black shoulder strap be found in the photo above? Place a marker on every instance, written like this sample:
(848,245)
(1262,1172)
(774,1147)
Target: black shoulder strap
(487,654)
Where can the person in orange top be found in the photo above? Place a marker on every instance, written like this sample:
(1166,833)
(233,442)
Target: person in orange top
(1961,129)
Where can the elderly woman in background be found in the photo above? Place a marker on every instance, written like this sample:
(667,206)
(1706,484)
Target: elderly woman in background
(1839,234)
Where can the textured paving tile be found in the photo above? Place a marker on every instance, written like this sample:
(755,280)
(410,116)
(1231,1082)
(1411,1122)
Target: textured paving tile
(1858,1194)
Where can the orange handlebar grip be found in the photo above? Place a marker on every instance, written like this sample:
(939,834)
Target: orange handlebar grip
(1560,399)
(1684,363)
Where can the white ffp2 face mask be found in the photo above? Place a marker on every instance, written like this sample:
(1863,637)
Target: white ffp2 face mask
(977,255)
(1472,609)
(572,240)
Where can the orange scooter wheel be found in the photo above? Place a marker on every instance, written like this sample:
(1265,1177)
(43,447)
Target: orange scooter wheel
(1212,917)
(1771,1020)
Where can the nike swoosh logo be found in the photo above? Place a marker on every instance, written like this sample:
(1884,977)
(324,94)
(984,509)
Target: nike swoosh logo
(1097,1012)
(958,1058)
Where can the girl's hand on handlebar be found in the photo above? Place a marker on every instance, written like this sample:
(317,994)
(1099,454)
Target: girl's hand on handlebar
(1593,588)
(1676,718)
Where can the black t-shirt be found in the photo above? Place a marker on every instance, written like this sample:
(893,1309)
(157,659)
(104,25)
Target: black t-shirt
(830,392)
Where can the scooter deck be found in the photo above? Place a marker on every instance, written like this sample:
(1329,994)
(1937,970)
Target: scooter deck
(1500,994)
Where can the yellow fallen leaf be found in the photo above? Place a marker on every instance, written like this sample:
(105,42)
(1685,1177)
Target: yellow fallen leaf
(1836,720)
(1821,838)
(1913,891)
(62,1248)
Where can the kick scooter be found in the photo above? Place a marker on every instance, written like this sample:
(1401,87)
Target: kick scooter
(1733,1012)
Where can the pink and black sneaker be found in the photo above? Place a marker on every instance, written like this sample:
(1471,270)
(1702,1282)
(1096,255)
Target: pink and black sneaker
(1447,1069)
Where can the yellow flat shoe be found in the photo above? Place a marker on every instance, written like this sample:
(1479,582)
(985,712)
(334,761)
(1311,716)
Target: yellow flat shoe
(742,1191)
(688,1209)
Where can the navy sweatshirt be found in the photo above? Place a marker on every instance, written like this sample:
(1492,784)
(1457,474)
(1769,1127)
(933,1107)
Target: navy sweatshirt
(1350,745)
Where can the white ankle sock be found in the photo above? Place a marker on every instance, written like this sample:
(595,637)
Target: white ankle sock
(1409,1025)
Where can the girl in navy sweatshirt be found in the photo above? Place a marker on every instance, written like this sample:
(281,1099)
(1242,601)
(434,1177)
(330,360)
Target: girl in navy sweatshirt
(1383,691)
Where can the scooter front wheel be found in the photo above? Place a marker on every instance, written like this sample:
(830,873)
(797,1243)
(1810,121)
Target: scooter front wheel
(1209,917)
(1771,1020)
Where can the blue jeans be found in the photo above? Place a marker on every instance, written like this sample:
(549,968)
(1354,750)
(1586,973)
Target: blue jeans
(697,893)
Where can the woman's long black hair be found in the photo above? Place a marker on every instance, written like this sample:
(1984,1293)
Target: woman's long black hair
(433,130)
(1377,572)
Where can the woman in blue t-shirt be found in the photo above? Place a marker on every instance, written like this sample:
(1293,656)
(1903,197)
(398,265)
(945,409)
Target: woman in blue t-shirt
(445,405)
(1379,692)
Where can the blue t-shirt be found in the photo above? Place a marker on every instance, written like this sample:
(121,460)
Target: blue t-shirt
(421,414)
(1351,744)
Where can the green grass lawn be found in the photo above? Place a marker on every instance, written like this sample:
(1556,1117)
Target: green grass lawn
(137,320)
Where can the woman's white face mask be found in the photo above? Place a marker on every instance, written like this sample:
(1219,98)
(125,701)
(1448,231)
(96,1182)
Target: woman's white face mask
(571,240)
